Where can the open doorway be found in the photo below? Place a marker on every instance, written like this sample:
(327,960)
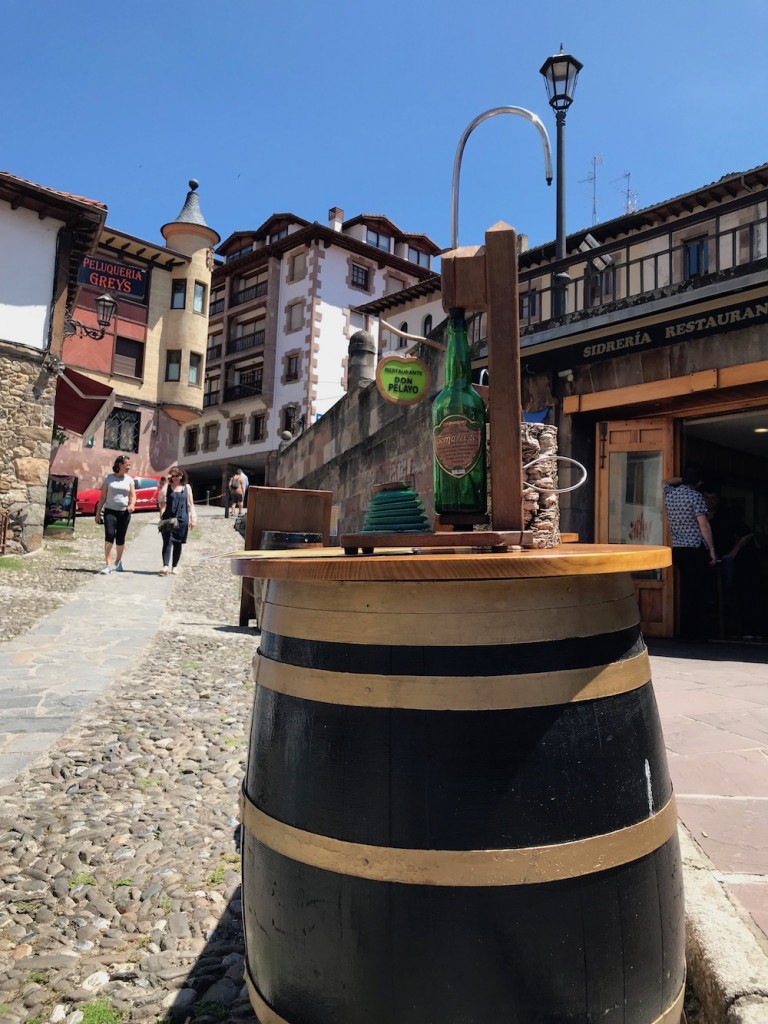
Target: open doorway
(731,450)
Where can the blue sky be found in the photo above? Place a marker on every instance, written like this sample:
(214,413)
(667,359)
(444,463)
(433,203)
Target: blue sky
(309,104)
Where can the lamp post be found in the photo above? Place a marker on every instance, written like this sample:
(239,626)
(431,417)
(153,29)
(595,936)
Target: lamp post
(106,307)
(560,73)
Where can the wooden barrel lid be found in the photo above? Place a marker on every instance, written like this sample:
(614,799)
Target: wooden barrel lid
(331,564)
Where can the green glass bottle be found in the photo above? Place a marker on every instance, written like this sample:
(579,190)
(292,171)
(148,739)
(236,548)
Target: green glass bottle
(458,429)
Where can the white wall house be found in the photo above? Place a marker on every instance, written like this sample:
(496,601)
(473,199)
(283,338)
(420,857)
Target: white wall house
(281,316)
(43,235)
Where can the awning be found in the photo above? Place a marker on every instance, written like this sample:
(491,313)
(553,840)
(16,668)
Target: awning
(82,404)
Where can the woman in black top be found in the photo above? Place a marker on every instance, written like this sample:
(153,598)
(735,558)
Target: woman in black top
(176,503)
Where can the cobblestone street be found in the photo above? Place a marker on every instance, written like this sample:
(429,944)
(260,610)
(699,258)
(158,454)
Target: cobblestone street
(119,847)
(123,738)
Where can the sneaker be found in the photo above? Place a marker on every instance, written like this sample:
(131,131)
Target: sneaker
(119,567)
(106,570)
(174,572)
(164,571)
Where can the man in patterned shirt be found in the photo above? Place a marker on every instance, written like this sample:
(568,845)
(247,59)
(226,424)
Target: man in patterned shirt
(693,549)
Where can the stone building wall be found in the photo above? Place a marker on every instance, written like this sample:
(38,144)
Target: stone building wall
(364,440)
(26,426)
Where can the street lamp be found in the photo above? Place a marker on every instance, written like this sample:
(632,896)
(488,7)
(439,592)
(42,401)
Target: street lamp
(560,74)
(106,307)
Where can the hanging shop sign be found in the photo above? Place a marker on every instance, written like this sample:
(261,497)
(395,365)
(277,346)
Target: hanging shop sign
(113,276)
(403,380)
(687,328)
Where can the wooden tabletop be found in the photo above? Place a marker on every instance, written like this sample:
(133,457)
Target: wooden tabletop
(331,564)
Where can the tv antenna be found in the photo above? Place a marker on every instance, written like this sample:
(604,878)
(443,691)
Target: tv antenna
(596,160)
(630,196)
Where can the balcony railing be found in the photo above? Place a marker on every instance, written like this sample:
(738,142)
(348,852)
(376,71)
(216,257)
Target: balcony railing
(631,271)
(245,342)
(213,353)
(235,392)
(215,307)
(211,398)
(246,294)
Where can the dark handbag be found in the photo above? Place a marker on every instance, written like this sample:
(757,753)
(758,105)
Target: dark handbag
(166,526)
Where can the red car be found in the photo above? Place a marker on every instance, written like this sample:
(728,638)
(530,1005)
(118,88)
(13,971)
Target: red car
(146,496)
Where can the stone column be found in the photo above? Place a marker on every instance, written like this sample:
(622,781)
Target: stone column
(541,510)
(362,360)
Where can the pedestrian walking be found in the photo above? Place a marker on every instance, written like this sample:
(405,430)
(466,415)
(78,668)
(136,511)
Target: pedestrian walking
(693,549)
(115,505)
(177,514)
(235,491)
(161,484)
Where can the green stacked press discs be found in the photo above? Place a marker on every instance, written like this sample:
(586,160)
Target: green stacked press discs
(395,510)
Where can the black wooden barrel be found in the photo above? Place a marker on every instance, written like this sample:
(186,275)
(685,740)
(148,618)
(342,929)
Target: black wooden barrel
(457,808)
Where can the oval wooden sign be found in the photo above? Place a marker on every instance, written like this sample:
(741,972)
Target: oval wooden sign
(403,380)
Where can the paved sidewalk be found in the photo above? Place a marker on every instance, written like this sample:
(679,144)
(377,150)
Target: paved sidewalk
(713,701)
(60,667)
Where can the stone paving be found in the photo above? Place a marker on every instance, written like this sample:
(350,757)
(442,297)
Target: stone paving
(122,749)
(119,840)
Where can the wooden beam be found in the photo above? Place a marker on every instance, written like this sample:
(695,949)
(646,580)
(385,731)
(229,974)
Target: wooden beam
(463,279)
(504,405)
(652,391)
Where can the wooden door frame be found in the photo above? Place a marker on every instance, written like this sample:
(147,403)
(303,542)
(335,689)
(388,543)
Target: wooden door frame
(669,452)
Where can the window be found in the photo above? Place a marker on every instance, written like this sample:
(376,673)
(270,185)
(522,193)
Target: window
(360,276)
(529,303)
(290,418)
(377,239)
(259,428)
(394,284)
(190,441)
(210,436)
(250,380)
(173,365)
(121,430)
(696,257)
(277,235)
(178,294)
(296,316)
(195,368)
(403,342)
(243,251)
(416,256)
(292,368)
(599,285)
(297,266)
(198,303)
(426,327)
(237,432)
(128,358)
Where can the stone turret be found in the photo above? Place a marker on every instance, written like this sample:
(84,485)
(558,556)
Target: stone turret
(186,310)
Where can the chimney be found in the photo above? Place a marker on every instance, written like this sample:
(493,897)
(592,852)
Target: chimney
(335,218)
(361,368)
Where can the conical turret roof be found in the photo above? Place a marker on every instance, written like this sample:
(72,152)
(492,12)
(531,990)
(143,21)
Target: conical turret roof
(190,212)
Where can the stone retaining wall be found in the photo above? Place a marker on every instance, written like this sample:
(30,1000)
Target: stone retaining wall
(26,426)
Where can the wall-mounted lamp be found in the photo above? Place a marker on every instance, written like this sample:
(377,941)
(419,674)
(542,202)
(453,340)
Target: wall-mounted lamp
(565,375)
(106,307)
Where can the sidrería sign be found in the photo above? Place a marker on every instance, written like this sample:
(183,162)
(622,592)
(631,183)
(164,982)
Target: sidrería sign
(687,328)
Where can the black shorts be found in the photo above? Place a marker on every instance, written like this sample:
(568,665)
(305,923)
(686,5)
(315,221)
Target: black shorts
(115,525)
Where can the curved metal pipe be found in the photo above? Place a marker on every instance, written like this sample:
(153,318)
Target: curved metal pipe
(535,121)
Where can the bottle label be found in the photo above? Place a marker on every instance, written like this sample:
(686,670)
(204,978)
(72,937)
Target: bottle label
(457,440)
